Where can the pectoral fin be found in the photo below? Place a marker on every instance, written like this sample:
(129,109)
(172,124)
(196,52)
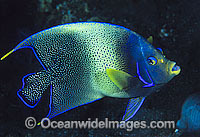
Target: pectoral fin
(132,108)
(120,78)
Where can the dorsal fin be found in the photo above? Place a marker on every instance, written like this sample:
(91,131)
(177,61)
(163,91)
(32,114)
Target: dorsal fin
(24,44)
(150,39)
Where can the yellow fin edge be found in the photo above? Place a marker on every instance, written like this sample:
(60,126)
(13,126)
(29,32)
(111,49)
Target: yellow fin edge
(7,54)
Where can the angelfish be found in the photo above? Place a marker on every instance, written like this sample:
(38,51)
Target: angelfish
(86,61)
(190,115)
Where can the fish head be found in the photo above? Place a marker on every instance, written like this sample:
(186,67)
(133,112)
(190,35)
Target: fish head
(160,69)
(181,124)
(153,68)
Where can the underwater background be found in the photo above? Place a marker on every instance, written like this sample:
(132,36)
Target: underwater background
(174,25)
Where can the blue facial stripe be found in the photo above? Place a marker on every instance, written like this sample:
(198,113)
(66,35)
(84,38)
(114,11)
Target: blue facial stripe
(150,84)
(140,77)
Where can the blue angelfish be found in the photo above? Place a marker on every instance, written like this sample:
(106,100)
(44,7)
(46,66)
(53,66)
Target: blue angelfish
(190,115)
(84,62)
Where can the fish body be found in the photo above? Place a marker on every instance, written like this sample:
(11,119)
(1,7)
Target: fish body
(190,115)
(84,62)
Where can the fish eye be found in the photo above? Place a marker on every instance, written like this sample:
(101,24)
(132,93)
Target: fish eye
(152,60)
(161,51)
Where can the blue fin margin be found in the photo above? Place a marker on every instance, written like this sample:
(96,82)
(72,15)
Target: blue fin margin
(132,107)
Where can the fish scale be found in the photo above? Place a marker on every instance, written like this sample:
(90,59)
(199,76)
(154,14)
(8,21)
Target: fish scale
(102,49)
(84,62)
(84,59)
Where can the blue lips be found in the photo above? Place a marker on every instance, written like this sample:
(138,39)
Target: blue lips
(175,68)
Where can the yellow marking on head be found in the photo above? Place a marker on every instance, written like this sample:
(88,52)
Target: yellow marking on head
(177,72)
(7,54)
(173,72)
(161,60)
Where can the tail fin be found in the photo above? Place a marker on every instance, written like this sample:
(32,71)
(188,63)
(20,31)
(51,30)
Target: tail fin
(33,87)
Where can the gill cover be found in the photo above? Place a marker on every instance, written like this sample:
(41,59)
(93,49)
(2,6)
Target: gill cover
(24,44)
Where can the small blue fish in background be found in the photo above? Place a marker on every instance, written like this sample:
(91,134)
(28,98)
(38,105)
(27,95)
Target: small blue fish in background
(190,115)
(84,62)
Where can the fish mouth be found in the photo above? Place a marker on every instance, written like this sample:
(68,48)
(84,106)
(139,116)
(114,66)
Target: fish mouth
(175,69)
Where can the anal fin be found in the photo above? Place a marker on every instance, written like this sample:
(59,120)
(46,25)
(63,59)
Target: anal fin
(65,97)
(132,108)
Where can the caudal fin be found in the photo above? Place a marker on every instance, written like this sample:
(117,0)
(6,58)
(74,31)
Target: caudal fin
(33,87)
